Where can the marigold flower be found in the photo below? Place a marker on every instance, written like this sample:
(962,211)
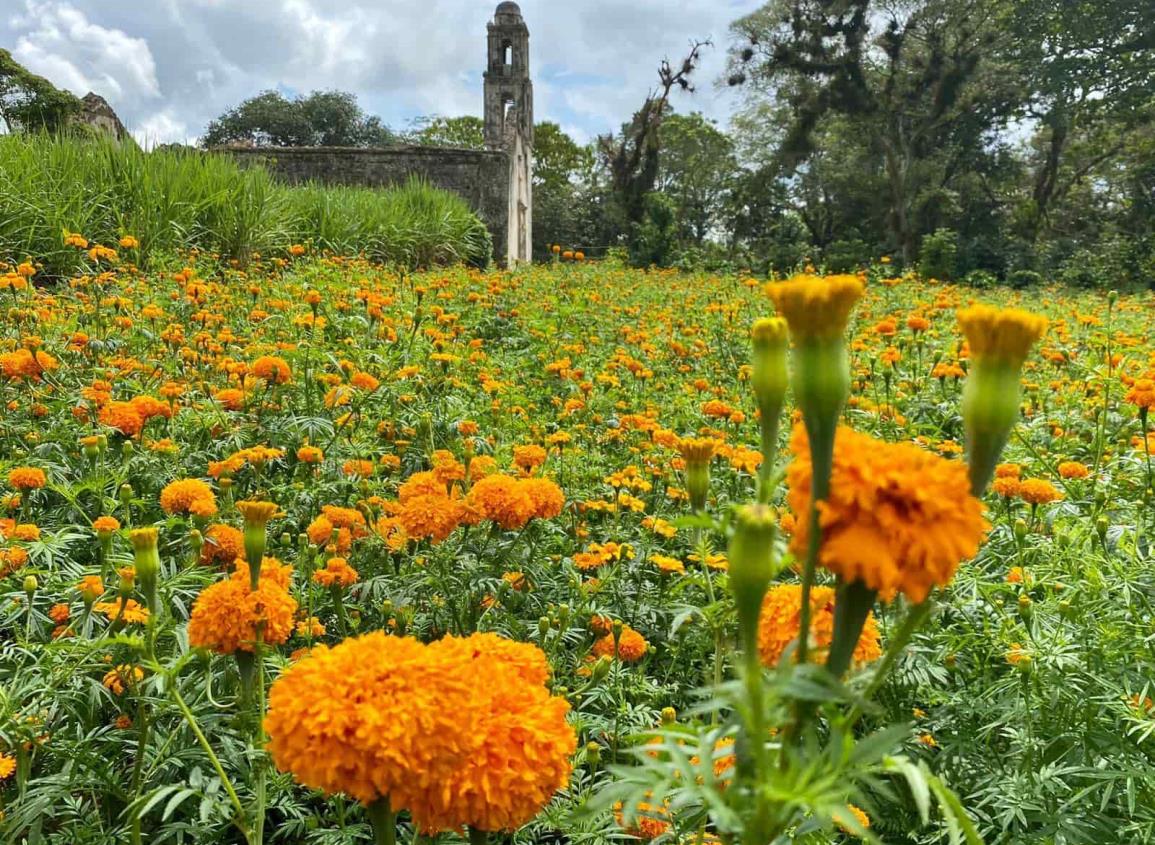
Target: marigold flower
(1142,394)
(780,624)
(502,499)
(7,766)
(310,455)
(630,648)
(223,545)
(225,616)
(188,496)
(338,572)
(898,518)
(372,717)
(27,478)
(122,416)
(1039,491)
(1002,334)
(106,525)
(272,370)
(548,499)
(1073,470)
(130,612)
(122,677)
(526,742)
(816,306)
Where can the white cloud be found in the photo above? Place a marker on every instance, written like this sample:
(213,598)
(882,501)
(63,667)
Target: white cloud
(170,66)
(162,127)
(60,42)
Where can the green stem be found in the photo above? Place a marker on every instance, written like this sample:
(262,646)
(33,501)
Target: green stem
(238,809)
(383,820)
(914,619)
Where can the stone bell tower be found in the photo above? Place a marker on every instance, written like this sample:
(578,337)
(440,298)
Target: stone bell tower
(509,120)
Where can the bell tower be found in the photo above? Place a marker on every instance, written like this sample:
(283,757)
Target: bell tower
(509,121)
(508,89)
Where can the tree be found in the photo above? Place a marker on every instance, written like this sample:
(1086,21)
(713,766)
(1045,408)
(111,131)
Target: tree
(324,118)
(912,90)
(466,132)
(1088,71)
(631,158)
(696,166)
(29,102)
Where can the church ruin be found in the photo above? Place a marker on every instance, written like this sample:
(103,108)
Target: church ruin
(496,181)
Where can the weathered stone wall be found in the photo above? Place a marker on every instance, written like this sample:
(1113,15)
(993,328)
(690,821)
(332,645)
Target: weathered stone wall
(480,177)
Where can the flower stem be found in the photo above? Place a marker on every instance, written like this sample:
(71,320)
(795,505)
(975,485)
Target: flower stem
(383,820)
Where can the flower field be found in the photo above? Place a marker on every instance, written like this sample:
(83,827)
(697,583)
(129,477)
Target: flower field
(319,552)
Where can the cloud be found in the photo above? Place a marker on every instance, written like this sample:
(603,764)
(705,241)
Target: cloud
(60,43)
(170,66)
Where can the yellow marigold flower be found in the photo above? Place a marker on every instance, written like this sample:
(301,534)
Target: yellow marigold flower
(337,571)
(27,478)
(1004,334)
(7,766)
(225,615)
(130,612)
(90,587)
(898,518)
(816,306)
(780,624)
(667,564)
(188,496)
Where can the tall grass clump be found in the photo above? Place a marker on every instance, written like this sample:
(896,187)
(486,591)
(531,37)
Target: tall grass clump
(175,199)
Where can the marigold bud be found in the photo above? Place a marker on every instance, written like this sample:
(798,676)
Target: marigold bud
(752,566)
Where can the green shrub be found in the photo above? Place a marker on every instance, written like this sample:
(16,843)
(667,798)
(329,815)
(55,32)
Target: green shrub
(938,255)
(980,279)
(1024,279)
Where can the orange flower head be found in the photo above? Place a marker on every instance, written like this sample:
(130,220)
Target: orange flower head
(188,496)
(816,307)
(780,624)
(898,518)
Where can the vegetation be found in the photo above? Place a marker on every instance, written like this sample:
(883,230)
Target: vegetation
(322,119)
(527,455)
(170,200)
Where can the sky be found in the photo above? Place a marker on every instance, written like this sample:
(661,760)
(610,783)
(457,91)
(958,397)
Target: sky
(168,67)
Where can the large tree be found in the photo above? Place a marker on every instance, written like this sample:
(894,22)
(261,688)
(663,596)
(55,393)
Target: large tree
(905,76)
(29,102)
(696,166)
(323,118)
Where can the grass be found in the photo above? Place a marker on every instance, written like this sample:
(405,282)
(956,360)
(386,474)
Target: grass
(178,200)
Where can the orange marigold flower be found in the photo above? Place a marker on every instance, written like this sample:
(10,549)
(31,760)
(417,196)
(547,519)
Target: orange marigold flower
(631,646)
(648,821)
(272,370)
(526,742)
(188,496)
(1073,469)
(528,458)
(337,571)
(374,716)
(27,478)
(780,623)
(1039,491)
(106,525)
(310,455)
(1142,394)
(122,416)
(548,499)
(504,500)
(122,677)
(223,545)
(1007,486)
(90,587)
(432,516)
(7,766)
(226,614)
(898,518)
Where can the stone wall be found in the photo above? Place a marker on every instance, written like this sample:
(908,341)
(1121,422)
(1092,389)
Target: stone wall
(480,177)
